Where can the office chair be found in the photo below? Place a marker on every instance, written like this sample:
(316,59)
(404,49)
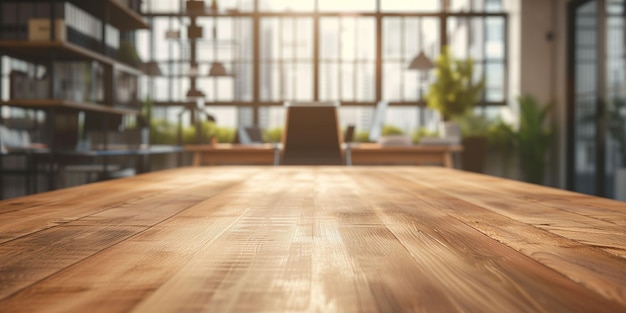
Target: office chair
(312,136)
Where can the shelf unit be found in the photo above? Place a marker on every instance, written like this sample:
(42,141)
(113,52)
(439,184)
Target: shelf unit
(62,126)
(67,106)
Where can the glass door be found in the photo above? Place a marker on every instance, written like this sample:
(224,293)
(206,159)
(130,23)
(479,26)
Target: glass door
(597,97)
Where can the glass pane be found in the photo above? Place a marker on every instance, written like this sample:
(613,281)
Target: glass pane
(329,84)
(407,37)
(243,81)
(365,82)
(392,81)
(402,37)
(493,6)
(411,37)
(277,82)
(142,44)
(329,38)
(494,50)
(224,87)
(238,5)
(347,82)
(287,5)
(302,39)
(410,6)
(225,116)
(265,83)
(365,32)
(207,86)
(154,6)
(161,88)
(287,48)
(460,37)
(303,83)
(476,37)
(286,38)
(411,86)
(347,6)
(495,37)
(272,117)
(348,42)
(242,39)
(268,38)
(476,5)
(585,99)
(361,117)
(392,40)
(405,118)
(460,5)
(161,48)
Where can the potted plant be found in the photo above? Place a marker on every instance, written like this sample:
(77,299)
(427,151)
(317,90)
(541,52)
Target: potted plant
(501,149)
(273,135)
(454,94)
(533,138)
(474,129)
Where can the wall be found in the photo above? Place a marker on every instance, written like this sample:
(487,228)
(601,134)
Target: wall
(542,66)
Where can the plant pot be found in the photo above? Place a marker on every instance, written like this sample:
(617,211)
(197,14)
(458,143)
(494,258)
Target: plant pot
(474,153)
(620,184)
(450,130)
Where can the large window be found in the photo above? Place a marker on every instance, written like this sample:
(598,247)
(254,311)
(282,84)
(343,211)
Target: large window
(347,59)
(286,59)
(355,52)
(403,39)
(483,40)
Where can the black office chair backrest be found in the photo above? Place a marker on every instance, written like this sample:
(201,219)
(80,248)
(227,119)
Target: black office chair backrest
(312,136)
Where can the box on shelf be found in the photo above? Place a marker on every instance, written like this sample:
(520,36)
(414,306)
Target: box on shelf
(194,32)
(39,29)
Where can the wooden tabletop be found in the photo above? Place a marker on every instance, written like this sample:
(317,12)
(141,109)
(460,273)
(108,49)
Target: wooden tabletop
(312,239)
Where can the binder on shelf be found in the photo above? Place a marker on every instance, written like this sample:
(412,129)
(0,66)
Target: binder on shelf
(39,29)
(9,21)
(194,32)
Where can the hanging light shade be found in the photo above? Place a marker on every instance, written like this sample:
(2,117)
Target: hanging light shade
(151,68)
(421,63)
(195,93)
(217,70)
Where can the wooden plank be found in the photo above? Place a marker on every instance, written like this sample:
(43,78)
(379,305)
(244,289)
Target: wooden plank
(28,260)
(124,18)
(597,225)
(131,264)
(19,218)
(325,239)
(275,264)
(594,267)
(443,245)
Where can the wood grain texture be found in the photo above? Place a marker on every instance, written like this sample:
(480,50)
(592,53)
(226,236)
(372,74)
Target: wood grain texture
(312,239)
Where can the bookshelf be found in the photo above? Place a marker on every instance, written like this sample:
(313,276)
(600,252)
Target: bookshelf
(83,32)
(76,72)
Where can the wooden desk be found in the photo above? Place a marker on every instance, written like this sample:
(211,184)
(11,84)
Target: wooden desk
(225,153)
(312,239)
(356,154)
(419,154)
